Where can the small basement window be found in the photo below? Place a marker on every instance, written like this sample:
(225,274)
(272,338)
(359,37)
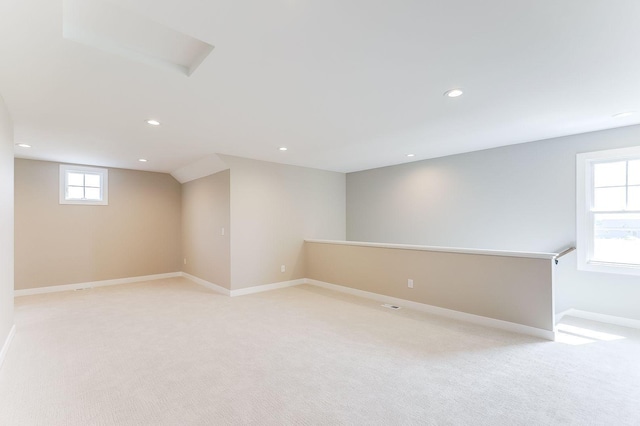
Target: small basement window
(84,185)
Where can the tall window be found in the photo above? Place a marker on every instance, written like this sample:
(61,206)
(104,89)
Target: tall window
(609,211)
(83,185)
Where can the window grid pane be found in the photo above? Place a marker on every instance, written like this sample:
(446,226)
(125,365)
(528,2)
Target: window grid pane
(91,180)
(610,174)
(75,179)
(92,193)
(633,198)
(75,193)
(84,186)
(634,172)
(609,199)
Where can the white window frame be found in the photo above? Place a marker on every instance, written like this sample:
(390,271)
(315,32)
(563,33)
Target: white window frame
(104,184)
(585,215)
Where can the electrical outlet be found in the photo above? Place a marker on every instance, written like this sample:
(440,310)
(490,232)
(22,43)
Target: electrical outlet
(221,231)
(185,260)
(283,268)
(410,283)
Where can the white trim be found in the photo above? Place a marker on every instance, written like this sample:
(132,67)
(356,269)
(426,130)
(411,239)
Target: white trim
(201,168)
(243,291)
(603,267)
(608,319)
(559,315)
(457,315)
(583,243)
(534,255)
(267,287)
(207,284)
(7,343)
(91,284)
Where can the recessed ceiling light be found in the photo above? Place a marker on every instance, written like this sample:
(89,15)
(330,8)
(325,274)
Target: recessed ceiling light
(153,122)
(623,114)
(23,145)
(411,155)
(283,148)
(453,93)
(142,160)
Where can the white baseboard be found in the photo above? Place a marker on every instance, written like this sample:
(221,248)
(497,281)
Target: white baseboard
(243,291)
(78,286)
(559,315)
(477,319)
(609,319)
(7,343)
(267,287)
(207,284)
(462,316)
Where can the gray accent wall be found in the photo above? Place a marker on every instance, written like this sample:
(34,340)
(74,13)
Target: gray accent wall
(518,197)
(6,223)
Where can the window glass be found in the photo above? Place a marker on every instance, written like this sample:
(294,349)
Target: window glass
(75,179)
(75,192)
(608,199)
(92,180)
(633,202)
(634,172)
(610,174)
(617,238)
(92,193)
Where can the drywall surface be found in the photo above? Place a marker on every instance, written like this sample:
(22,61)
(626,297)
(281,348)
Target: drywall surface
(205,228)
(519,197)
(471,283)
(274,207)
(6,223)
(137,234)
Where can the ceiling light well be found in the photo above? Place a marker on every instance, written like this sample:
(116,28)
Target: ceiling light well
(453,93)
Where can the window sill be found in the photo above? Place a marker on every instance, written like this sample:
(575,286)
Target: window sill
(610,268)
(85,202)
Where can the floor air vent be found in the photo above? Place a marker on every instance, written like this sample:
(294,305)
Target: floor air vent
(386,305)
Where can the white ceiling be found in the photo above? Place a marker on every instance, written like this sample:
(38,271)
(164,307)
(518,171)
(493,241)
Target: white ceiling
(345,85)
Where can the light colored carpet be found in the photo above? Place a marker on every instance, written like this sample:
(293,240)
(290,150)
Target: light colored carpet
(169,352)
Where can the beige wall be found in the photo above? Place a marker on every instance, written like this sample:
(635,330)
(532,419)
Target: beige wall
(137,234)
(513,289)
(274,207)
(6,223)
(205,212)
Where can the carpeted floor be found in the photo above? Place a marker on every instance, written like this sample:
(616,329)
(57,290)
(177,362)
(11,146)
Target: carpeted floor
(169,352)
